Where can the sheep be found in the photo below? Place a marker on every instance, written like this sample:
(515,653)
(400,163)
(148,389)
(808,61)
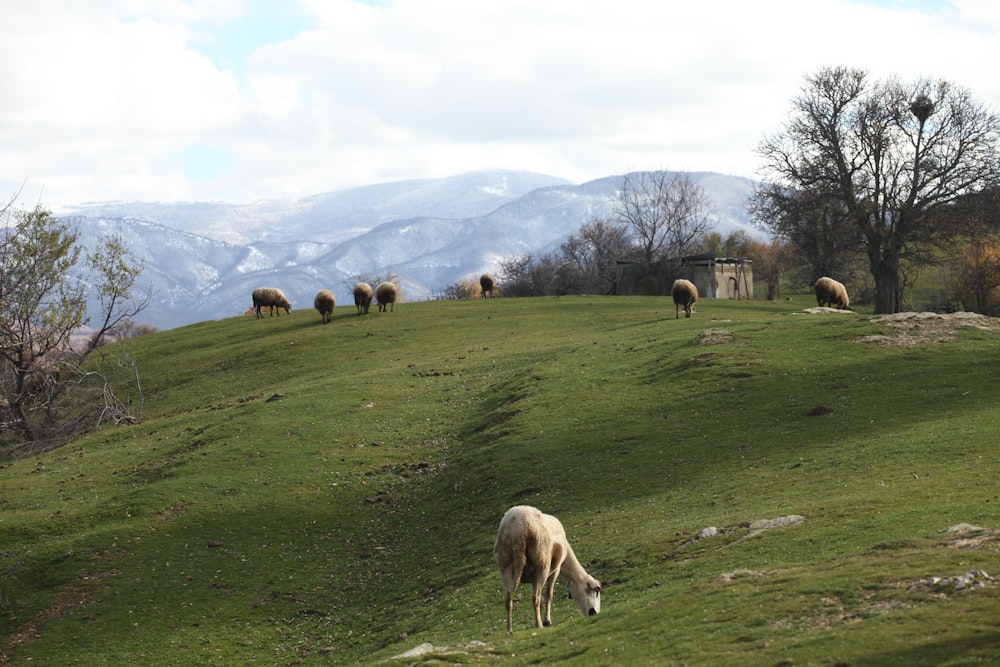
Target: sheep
(272,297)
(362,297)
(534,545)
(685,294)
(325,302)
(486,285)
(829,292)
(385,293)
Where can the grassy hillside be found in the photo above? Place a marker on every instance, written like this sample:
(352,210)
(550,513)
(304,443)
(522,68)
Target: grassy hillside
(307,494)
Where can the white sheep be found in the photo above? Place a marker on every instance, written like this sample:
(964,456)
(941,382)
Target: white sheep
(685,294)
(362,297)
(325,302)
(264,297)
(533,545)
(386,294)
(830,292)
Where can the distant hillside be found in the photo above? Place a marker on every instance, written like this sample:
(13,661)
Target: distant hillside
(202,260)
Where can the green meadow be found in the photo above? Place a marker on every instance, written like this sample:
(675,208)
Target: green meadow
(300,493)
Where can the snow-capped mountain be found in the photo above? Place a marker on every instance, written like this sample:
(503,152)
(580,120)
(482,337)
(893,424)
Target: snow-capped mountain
(202,260)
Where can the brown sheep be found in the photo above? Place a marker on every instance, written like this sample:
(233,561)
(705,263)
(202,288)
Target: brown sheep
(486,285)
(362,297)
(534,545)
(830,292)
(325,302)
(685,294)
(264,297)
(386,294)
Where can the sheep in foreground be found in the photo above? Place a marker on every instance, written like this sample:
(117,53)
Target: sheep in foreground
(270,297)
(830,292)
(325,302)
(386,293)
(486,285)
(685,294)
(533,545)
(362,297)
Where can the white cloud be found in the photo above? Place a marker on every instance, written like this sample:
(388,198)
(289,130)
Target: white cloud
(113,100)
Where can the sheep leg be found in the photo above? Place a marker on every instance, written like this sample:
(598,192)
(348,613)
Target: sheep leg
(550,587)
(511,575)
(537,595)
(509,603)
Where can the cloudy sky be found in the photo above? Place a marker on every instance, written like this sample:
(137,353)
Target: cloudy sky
(240,100)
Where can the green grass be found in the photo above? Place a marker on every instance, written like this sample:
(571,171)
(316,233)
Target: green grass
(308,494)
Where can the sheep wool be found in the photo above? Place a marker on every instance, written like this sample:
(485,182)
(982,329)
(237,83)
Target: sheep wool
(386,294)
(830,292)
(325,302)
(270,297)
(685,294)
(362,297)
(534,545)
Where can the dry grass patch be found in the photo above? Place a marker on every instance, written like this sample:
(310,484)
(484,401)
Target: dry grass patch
(912,329)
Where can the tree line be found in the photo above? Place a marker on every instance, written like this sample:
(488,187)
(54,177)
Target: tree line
(869,181)
(654,216)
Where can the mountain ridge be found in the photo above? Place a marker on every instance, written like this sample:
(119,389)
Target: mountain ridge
(201,260)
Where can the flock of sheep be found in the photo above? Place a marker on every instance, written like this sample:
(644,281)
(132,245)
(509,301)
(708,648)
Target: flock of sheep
(530,545)
(386,294)
(829,292)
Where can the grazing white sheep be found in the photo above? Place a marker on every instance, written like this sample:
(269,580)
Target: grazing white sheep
(830,292)
(362,297)
(486,285)
(386,294)
(325,302)
(685,294)
(533,546)
(264,297)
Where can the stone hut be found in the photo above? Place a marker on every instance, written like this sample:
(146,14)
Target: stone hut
(715,277)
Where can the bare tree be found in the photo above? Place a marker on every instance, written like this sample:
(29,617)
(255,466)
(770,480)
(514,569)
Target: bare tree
(885,158)
(816,225)
(51,386)
(666,212)
(527,275)
(592,255)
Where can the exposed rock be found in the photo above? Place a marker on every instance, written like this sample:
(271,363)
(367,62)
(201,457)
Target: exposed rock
(754,527)
(819,310)
(738,574)
(427,649)
(779,522)
(963,528)
(969,581)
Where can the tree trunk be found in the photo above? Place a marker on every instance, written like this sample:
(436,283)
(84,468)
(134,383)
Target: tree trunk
(887,296)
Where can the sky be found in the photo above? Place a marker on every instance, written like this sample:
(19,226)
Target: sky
(246,100)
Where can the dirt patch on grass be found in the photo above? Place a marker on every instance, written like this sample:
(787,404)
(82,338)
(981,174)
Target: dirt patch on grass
(913,329)
(713,337)
(71,599)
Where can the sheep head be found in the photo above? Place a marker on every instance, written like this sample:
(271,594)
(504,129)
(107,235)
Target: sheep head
(587,594)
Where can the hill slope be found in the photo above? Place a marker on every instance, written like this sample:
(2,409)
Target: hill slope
(300,493)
